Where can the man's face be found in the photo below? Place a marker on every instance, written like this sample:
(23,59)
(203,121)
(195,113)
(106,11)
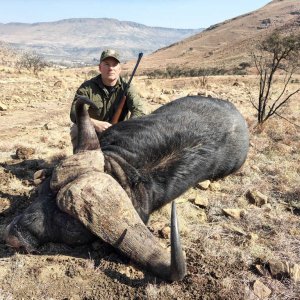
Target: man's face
(110,70)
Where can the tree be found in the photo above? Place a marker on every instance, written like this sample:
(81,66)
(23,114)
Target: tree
(277,53)
(31,61)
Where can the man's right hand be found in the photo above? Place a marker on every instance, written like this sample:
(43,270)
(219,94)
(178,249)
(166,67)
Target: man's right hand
(100,125)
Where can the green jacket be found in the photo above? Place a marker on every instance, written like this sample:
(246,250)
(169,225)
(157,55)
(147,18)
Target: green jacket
(107,102)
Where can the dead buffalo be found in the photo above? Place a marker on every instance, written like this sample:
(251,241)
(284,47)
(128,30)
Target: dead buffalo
(143,164)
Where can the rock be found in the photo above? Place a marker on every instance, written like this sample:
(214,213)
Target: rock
(294,272)
(3,107)
(261,270)
(210,94)
(37,182)
(181,200)
(204,185)
(260,290)
(282,269)
(277,268)
(235,229)
(24,152)
(40,175)
(257,198)
(165,232)
(235,213)
(200,201)
(255,168)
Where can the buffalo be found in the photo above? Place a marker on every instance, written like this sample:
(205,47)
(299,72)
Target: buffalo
(116,179)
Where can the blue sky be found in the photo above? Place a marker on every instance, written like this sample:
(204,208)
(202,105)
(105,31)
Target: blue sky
(163,13)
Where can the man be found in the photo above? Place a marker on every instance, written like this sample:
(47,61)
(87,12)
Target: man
(105,91)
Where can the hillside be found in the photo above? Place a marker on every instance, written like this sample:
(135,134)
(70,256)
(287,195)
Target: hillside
(81,40)
(227,44)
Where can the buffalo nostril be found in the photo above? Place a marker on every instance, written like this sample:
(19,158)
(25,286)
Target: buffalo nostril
(19,239)
(12,241)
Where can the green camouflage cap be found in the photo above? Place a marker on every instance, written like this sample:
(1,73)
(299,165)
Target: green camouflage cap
(110,53)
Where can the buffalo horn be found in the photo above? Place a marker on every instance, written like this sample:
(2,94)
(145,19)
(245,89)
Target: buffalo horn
(87,137)
(102,205)
(178,266)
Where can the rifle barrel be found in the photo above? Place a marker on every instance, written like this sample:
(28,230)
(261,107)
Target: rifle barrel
(119,110)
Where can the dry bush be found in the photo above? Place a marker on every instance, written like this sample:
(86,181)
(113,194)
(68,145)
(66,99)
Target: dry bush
(277,53)
(31,61)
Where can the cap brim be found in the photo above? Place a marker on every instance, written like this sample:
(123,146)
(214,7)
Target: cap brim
(109,56)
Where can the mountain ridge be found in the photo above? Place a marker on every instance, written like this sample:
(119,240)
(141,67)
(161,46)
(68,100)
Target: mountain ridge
(83,39)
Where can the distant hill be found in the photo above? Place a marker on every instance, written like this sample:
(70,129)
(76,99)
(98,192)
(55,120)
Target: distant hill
(227,44)
(81,40)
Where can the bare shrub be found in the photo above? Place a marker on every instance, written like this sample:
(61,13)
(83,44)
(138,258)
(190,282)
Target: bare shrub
(31,61)
(278,53)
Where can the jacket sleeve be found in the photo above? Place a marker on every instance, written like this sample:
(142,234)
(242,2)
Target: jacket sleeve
(134,103)
(82,90)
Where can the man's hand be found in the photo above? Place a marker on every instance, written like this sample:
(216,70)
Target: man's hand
(100,125)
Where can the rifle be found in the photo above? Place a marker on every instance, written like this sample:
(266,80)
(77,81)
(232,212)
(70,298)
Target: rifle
(119,110)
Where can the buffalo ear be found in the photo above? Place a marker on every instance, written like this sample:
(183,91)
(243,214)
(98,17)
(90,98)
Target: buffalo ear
(87,138)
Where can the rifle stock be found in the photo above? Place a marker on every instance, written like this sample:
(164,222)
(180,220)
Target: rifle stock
(117,114)
(119,110)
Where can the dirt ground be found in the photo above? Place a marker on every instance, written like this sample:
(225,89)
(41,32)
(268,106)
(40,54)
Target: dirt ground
(236,247)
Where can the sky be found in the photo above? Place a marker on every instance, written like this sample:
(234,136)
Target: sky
(162,13)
